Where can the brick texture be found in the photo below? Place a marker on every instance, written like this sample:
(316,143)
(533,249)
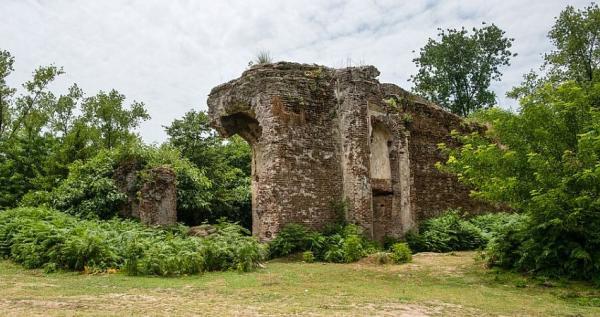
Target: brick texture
(323,136)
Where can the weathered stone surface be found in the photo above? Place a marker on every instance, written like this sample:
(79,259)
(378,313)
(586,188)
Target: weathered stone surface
(321,136)
(203,230)
(126,178)
(158,197)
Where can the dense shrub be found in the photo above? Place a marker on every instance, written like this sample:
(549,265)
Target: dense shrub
(295,238)
(41,237)
(339,244)
(492,223)
(448,232)
(544,162)
(90,191)
(401,253)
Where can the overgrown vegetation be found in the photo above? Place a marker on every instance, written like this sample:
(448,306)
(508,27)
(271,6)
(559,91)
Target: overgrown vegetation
(339,244)
(64,150)
(544,160)
(44,238)
(225,164)
(453,232)
(90,190)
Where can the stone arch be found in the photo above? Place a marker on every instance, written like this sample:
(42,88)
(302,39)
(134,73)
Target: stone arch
(244,125)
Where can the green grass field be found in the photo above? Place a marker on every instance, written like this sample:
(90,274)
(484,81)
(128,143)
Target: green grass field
(433,285)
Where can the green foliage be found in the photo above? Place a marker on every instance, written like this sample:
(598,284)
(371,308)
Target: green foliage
(448,232)
(226,163)
(492,223)
(6,92)
(577,50)
(41,237)
(456,70)
(89,191)
(343,244)
(232,248)
(295,238)
(106,114)
(42,133)
(308,256)
(401,253)
(543,162)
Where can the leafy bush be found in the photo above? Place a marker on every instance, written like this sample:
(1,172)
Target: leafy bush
(340,244)
(448,232)
(173,256)
(401,253)
(295,238)
(232,248)
(41,237)
(492,223)
(90,191)
(544,162)
(308,256)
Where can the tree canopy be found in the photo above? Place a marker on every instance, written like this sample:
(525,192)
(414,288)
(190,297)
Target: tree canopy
(456,70)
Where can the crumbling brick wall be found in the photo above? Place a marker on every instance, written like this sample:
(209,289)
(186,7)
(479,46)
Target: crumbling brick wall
(158,197)
(322,136)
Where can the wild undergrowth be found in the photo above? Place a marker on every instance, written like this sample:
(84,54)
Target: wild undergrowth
(45,238)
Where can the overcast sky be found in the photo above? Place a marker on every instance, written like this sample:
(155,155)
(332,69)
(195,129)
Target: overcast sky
(169,54)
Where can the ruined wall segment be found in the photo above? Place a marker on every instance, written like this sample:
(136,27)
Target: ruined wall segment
(432,190)
(323,136)
(158,197)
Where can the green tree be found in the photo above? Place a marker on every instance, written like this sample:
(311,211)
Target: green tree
(106,113)
(6,93)
(26,146)
(576,37)
(456,70)
(41,133)
(544,162)
(225,162)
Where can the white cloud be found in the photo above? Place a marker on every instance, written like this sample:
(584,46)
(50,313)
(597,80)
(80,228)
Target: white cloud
(169,54)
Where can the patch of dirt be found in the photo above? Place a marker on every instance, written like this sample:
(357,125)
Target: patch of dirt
(427,309)
(453,263)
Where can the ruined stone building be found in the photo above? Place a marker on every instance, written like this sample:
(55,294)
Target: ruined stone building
(323,136)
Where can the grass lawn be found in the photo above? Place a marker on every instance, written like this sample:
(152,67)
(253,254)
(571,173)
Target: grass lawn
(433,285)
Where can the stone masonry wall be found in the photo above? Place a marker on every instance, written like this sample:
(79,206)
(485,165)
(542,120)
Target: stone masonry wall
(322,136)
(158,198)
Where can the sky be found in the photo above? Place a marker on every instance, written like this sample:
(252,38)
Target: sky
(169,54)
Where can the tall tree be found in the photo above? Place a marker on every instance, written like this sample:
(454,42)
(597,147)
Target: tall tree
(106,113)
(576,37)
(6,67)
(456,70)
(25,146)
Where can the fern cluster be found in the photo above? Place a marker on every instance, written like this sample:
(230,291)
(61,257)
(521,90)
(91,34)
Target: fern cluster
(452,232)
(339,244)
(45,238)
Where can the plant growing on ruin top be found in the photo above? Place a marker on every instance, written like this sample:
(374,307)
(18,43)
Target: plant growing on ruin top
(262,57)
